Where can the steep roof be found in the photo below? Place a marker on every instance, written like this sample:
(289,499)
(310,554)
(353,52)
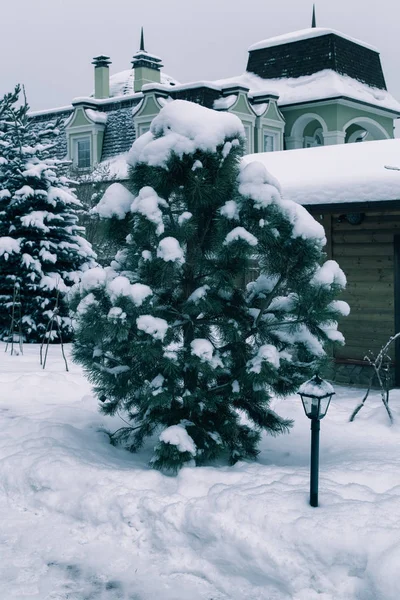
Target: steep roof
(312,50)
(362,173)
(41,119)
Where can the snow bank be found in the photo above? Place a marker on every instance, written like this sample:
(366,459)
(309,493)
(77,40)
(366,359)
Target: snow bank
(116,202)
(228,533)
(183,128)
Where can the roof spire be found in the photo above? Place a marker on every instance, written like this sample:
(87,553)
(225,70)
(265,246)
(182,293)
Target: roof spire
(314,21)
(142,40)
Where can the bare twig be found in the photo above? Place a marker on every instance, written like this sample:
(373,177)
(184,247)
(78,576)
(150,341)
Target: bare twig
(47,334)
(14,320)
(380,366)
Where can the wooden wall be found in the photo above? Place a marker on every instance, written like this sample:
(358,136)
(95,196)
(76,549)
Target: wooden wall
(365,252)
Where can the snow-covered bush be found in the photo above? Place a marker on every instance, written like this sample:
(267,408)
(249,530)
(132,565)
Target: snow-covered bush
(165,332)
(41,245)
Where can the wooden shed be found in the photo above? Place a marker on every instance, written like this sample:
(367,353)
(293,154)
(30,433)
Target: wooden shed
(354,191)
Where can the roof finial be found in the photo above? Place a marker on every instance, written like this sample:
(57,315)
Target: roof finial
(142,40)
(314,21)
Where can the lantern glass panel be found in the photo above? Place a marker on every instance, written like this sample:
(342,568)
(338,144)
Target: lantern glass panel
(311,407)
(324,404)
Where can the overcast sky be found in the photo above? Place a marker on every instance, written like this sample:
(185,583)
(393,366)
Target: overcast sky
(48,45)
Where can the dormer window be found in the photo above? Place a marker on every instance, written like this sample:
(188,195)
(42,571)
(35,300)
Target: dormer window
(85,132)
(83,159)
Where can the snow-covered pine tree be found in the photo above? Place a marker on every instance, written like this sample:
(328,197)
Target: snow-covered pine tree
(41,244)
(167,334)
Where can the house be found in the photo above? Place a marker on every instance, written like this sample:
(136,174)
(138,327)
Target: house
(306,100)
(309,88)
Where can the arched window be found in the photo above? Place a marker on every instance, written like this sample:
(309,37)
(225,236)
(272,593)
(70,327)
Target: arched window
(357,136)
(316,139)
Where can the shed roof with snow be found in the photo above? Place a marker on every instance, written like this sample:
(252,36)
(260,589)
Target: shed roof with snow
(326,176)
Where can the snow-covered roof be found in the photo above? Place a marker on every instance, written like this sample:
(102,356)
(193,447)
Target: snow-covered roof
(122,83)
(318,86)
(304,34)
(343,173)
(50,111)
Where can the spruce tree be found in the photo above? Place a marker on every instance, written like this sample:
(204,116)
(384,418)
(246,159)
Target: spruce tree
(168,333)
(41,245)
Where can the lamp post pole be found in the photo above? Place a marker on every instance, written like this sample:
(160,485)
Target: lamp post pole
(315,395)
(315,427)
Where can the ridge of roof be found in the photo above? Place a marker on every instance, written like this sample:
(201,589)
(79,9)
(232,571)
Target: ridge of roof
(305,34)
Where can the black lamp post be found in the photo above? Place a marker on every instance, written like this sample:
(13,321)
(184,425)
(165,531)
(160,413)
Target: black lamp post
(315,395)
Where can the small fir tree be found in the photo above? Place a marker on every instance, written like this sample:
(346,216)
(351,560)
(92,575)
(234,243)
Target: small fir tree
(41,245)
(167,333)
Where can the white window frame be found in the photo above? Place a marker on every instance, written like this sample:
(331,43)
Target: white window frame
(75,141)
(275,136)
(271,137)
(249,138)
(143,128)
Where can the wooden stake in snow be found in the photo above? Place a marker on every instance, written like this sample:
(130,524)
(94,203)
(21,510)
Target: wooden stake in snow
(380,366)
(47,334)
(16,321)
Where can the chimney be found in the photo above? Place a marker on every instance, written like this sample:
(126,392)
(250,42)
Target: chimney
(101,76)
(147,67)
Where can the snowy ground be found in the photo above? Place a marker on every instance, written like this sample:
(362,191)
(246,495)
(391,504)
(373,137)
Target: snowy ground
(82,520)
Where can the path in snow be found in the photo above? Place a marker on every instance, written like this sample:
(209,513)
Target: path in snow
(82,520)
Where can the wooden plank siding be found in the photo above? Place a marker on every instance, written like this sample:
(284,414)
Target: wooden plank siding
(365,252)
